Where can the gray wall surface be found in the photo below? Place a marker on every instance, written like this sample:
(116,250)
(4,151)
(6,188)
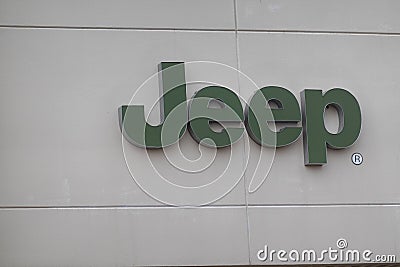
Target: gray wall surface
(66,195)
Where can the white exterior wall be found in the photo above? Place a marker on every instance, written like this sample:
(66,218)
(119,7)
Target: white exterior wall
(66,195)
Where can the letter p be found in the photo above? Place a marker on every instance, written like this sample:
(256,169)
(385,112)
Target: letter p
(316,137)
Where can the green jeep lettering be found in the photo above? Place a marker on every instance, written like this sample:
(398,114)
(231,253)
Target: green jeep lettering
(258,113)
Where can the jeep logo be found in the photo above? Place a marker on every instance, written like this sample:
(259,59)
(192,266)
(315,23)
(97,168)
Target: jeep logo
(177,115)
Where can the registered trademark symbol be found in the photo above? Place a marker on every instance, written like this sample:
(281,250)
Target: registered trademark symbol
(357,158)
